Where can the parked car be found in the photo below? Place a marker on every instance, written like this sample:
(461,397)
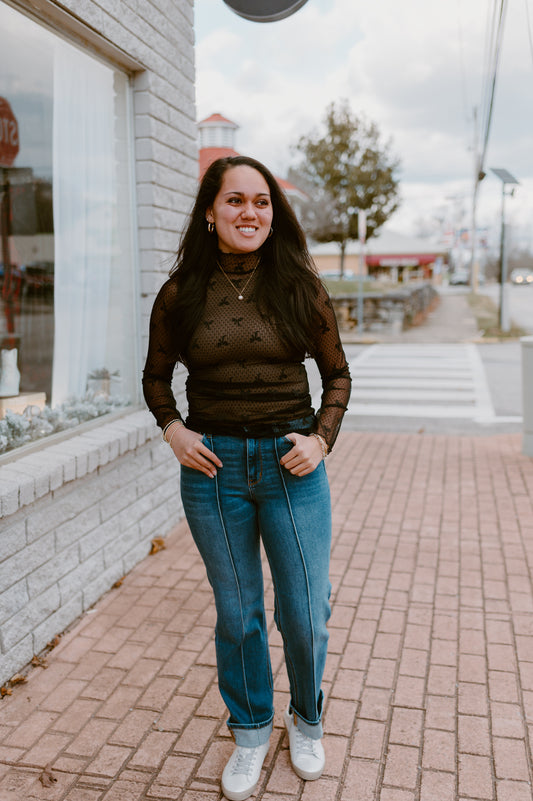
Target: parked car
(522,277)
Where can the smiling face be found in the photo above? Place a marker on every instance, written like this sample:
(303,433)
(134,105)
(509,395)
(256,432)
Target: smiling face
(242,210)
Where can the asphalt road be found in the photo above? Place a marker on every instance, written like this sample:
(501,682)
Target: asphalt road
(520,303)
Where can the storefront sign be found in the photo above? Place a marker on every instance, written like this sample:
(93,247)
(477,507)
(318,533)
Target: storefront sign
(9,134)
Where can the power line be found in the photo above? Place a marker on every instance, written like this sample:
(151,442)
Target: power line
(462,70)
(493,57)
(529,29)
(493,47)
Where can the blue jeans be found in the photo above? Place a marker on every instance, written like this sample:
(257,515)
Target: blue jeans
(253,498)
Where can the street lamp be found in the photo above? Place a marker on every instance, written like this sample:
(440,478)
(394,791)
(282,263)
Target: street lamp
(507,179)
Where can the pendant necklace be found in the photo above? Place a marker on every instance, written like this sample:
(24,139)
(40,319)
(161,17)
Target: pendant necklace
(240,292)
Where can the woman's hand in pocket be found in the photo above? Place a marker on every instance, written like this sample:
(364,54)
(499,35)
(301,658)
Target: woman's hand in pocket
(304,456)
(190,451)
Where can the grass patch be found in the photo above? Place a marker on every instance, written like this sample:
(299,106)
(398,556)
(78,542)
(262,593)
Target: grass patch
(488,318)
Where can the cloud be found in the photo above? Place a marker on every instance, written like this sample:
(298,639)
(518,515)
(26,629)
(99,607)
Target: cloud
(417,71)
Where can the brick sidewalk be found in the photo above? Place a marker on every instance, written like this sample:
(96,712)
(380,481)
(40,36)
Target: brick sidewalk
(429,681)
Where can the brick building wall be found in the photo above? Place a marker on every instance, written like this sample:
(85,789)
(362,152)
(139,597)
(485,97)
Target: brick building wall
(77,514)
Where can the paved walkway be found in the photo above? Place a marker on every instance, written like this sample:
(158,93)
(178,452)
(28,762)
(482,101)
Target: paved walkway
(451,320)
(429,680)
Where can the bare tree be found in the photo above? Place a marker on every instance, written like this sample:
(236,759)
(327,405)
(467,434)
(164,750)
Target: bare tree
(343,169)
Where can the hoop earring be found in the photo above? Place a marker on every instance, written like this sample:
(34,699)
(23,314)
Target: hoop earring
(270,233)
(211,227)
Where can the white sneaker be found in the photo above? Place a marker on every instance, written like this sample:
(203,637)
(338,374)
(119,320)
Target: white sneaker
(307,755)
(242,772)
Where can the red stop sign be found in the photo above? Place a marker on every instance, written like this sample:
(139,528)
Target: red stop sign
(9,134)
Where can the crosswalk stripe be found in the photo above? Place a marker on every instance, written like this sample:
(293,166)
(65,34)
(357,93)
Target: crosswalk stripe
(444,380)
(379,382)
(440,395)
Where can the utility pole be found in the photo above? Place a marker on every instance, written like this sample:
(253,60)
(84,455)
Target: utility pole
(507,179)
(478,177)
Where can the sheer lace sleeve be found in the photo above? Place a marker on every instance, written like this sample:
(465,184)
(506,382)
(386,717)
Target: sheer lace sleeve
(331,361)
(161,360)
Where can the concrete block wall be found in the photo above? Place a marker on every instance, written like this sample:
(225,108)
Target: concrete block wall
(97,501)
(77,514)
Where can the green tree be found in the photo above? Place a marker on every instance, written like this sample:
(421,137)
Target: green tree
(342,170)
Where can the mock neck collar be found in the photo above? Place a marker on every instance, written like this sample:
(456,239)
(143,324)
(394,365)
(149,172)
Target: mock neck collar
(238,262)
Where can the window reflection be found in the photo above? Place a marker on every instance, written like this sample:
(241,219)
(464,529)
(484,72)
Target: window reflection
(27,276)
(26,217)
(67,294)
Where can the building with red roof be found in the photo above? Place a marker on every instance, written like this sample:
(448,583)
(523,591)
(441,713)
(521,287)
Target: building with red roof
(217,137)
(389,255)
(217,140)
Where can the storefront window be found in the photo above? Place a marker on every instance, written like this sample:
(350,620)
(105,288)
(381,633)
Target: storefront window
(67,279)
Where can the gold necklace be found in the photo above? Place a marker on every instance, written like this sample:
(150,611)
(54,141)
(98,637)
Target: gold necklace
(240,292)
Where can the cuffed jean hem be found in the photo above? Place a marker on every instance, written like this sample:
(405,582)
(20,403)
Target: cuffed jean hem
(312,730)
(251,737)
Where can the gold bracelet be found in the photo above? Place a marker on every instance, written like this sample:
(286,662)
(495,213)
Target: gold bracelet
(176,420)
(172,435)
(322,442)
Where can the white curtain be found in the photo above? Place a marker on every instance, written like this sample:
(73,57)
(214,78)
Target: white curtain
(84,206)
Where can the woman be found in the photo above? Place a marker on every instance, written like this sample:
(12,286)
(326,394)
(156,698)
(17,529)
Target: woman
(242,308)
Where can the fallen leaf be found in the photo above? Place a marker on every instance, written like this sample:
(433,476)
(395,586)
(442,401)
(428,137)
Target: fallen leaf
(39,661)
(118,583)
(47,778)
(5,691)
(158,544)
(54,642)
(18,678)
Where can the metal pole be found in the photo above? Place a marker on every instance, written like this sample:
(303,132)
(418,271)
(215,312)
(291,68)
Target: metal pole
(5,214)
(504,306)
(474,265)
(478,176)
(527,394)
(360,294)
(361,230)
(507,179)
(8,289)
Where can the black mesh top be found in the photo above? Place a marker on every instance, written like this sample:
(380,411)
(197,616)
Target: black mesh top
(242,379)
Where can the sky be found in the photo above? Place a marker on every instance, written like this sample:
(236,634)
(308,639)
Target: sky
(417,69)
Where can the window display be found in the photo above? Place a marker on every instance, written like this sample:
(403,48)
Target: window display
(67,277)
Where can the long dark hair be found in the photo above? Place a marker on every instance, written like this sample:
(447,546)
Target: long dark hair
(285,291)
